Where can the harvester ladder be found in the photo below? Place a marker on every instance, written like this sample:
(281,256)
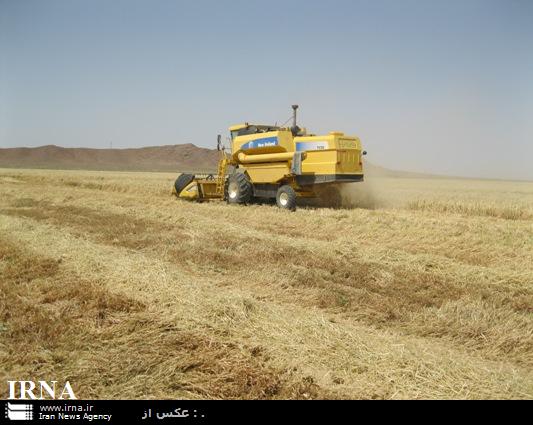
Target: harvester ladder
(221,176)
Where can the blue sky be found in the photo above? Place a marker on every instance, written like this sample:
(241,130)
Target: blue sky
(432,86)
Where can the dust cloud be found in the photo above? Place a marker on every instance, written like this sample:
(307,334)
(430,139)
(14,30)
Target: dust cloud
(365,195)
(360,195)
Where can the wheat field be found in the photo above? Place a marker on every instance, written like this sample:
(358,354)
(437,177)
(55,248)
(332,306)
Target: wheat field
(419,288)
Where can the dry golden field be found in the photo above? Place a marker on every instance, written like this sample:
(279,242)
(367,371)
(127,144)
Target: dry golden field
(422,289)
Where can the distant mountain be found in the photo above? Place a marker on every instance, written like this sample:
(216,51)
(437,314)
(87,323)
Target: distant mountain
(180,158)
(184,157)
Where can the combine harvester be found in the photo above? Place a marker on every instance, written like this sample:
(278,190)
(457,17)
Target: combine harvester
(270,162)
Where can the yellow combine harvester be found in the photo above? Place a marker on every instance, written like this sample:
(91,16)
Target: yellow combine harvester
(270,162)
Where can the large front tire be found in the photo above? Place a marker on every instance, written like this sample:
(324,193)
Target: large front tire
(238,189)
(182,182)
(286,198)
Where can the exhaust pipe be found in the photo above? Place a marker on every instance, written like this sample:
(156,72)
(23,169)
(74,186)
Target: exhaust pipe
(294,129)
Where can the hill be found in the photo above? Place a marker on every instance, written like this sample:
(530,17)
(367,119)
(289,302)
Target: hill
(153,158)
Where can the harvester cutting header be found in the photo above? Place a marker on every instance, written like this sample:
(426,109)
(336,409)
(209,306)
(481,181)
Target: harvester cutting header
(282,163)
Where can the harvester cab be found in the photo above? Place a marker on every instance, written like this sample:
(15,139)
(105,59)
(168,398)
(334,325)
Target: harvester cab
(282,163)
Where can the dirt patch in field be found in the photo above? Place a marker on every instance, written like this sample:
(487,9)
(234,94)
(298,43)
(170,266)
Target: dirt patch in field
(56,323)
(409,299)
(115,229)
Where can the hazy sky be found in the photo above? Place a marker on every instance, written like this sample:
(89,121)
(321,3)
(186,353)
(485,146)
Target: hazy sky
(435,86)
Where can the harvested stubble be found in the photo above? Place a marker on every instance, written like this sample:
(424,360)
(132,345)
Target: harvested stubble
(111,283)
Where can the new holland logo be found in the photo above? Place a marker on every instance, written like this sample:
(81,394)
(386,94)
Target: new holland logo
(19,412)
(260,143)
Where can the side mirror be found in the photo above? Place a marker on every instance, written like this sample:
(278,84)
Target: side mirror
(219,142)
(364,153)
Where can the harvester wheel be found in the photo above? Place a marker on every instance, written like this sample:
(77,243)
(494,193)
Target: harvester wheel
(238,189)
(182,182)
(286,198)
